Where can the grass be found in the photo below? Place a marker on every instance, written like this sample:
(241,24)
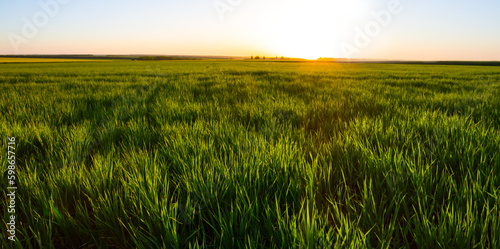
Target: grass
(241,154)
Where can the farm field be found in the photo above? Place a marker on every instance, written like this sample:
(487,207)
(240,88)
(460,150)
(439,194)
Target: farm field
(246,154)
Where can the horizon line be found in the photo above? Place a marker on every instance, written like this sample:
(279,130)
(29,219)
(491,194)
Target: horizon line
(249,56)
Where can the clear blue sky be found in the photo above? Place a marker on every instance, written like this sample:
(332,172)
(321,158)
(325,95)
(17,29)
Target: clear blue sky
(419,30)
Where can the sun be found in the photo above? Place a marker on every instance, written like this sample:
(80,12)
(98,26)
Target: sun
(310,29)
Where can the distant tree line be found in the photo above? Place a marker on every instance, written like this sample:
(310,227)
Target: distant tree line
(326,59)
(69,56)
(159,58)
(263,57)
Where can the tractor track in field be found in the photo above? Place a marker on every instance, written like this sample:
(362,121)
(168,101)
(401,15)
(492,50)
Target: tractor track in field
(120,111)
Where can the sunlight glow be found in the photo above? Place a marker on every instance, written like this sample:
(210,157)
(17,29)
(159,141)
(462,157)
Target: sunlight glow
(309,30)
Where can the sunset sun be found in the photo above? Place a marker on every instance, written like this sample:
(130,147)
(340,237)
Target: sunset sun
(310,31)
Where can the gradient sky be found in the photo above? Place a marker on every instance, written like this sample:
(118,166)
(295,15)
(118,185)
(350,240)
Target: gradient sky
(421,30)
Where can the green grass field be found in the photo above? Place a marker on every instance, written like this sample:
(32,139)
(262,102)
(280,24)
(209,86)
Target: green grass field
(242,154)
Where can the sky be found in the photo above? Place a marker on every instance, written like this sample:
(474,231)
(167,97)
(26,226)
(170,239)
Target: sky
(371,29)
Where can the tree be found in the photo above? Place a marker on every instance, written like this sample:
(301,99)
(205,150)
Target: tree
(251,57)
(257,57)
(263,57)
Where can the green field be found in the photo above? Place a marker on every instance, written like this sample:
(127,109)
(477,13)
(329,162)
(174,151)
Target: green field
(243,154)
